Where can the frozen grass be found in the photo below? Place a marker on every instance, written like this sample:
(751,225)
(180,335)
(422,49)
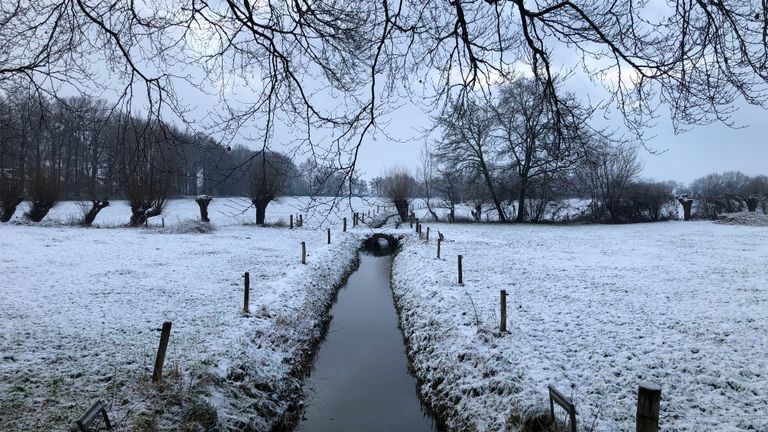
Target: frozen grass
(593,310)
(81,311)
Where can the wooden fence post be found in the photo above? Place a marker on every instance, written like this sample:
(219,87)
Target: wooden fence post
(291,222)
(427,233)
(301,220)
(648,401)
(246,293)
(329,236)
(461,276)
(503,306)
(162,221)
(165,334)
(438,247)
(344,229)
(303,253)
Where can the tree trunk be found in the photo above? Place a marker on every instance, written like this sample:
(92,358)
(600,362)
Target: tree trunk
(96,207)
(687,204)
(401,205)
(140,216)
(521,201)
(39,209)
(9,208)
(751,203)
(261,209)
(203,201)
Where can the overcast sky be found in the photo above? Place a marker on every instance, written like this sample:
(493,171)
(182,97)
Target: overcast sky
(683,158)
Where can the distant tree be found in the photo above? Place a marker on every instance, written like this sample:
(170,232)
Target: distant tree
(538,142)
(269,176)
(202,202)
(11,195)
(753,191)
(148,169)
(718,193)
(397,186)
(44,193)
(428,180)
(648,201)
(449,184)
(608,171)
(468,144)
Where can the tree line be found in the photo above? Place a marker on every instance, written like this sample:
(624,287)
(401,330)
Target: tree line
(513,155)
(83,148)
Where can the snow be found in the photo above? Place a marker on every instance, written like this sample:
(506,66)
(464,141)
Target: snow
(82,307)
(743,218)
(222,211)
(594,311)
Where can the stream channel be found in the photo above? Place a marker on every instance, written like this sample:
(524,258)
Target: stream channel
(361,380)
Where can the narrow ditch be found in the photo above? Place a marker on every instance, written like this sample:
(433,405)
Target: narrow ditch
(361,380)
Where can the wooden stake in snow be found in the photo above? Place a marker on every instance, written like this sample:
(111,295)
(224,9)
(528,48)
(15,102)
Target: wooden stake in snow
(648,401)
(329,236)
(461,278)
(303,253)
(439,240)
(162,220)
(290,221)
(165,334)
(427,233)
(246,293)
(301,220)
(344,225)
(503,306)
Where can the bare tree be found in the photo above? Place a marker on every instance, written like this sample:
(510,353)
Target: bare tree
(608,171)
(527,129)
(449,185)
(699,58)
(203,201)
(11,195)
(428,178)
(468,144)
(44,193)
(268,181)
(397,186)
(148,168)
(754,191)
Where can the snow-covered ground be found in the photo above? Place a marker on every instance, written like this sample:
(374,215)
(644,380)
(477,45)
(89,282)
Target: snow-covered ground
(594,311)
(81,309)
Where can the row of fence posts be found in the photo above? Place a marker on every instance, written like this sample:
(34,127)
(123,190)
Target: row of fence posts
(649,394)
(165,332)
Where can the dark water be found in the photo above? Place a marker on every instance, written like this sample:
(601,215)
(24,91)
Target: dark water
(361,381)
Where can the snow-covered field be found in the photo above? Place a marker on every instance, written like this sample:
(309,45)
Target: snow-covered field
(594,311)
(81,309)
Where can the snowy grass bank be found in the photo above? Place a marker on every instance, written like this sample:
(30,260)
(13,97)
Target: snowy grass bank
(81,308)
(593,310)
